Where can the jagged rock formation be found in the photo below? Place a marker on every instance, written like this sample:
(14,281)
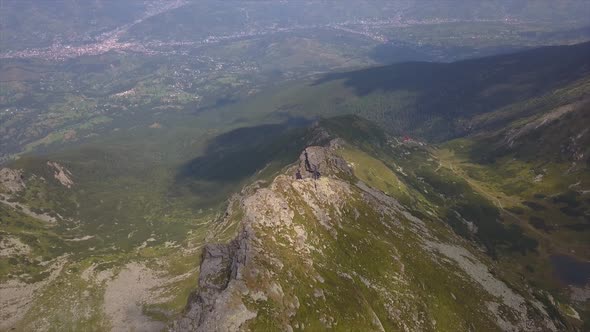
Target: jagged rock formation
(220,264)
(61,174)
(337,253)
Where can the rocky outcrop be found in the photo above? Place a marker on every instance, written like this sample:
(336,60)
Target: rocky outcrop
(323,160)
(61,174)
(209,308)
(12,180)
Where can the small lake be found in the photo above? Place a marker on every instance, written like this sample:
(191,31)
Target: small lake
(571,270)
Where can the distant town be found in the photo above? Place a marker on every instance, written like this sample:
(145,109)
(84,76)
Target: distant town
(111,41)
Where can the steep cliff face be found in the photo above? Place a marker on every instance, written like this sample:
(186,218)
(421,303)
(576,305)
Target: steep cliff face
(334,252)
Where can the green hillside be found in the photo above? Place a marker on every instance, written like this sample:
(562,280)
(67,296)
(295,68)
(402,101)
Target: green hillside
(438,101)
(451,197)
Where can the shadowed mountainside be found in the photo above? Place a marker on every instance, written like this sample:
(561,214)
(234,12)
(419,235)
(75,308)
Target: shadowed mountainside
(444,95)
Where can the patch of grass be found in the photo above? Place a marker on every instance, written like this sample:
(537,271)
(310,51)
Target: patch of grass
(374,172)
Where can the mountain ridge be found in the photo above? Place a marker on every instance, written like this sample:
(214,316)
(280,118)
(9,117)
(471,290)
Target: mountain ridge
(246,283)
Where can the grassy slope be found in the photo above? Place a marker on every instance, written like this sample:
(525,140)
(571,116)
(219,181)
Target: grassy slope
(373,259)
(537,180)
(520,235)
(148,226)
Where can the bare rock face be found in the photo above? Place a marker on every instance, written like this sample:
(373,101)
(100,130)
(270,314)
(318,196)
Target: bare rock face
(210,308)
(214,276)
(61,174)
(12,180)
(320,159)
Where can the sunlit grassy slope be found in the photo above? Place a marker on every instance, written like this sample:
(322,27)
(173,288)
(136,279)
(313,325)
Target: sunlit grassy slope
(524,203)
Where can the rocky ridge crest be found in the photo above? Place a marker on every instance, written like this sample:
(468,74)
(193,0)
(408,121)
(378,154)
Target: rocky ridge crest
(321,253)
